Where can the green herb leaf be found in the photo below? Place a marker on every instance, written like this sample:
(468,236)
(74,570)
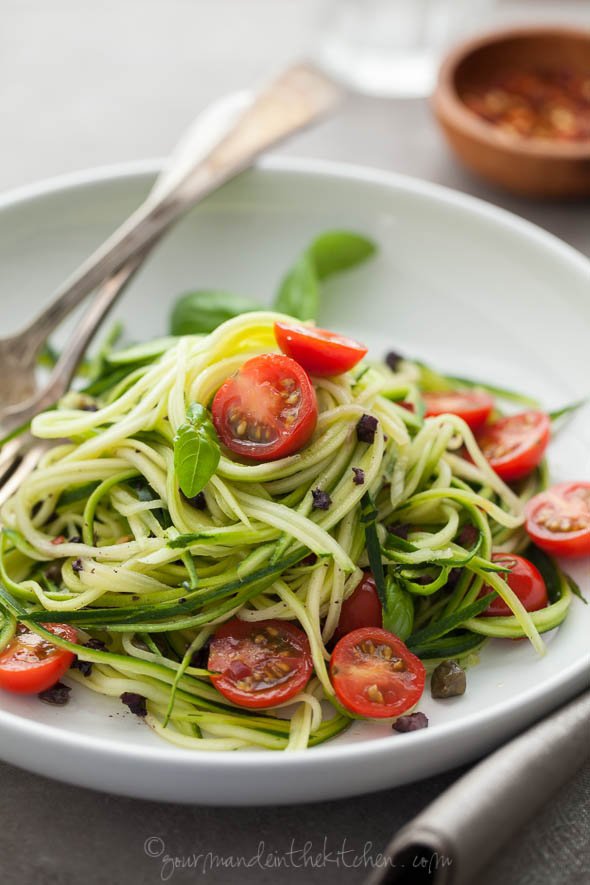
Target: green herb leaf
(574,588)
(398,613)
(567,410)
(337,250)
(451,646)
(332,252)
(198,313)
(299,293)
(196,451)
(450,622)
(368,520)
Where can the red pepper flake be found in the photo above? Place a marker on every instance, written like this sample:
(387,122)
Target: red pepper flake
(545,102)
(59,540)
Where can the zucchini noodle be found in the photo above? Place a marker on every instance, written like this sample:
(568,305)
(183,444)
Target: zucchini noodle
(101,537)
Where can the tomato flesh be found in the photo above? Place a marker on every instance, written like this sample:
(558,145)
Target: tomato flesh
(558,520)
(267,410)
(361,609)
(320,352)
(30,663)
(473,406)
(515,445)
(259,664)
(524,579)
(375,675)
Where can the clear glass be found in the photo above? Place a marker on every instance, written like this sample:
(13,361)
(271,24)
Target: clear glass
(393,47)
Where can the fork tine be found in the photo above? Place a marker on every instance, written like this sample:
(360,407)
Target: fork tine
(27,465)
(9,455)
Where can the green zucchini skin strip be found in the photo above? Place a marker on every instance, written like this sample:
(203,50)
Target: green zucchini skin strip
(152,573)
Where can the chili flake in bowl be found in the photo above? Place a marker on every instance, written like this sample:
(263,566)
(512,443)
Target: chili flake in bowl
(544,102)
(515,107)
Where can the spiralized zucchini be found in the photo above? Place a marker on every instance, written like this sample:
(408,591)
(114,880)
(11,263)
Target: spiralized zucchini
(152,576)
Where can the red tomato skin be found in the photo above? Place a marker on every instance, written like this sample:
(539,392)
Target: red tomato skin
(256,379)
(26,677)
(558,543)
(528,454)
(526,581)
(319,351)
(351,679)
(233,646)
(473,406)
(361,609)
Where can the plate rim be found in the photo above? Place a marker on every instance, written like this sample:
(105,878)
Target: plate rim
(524,705)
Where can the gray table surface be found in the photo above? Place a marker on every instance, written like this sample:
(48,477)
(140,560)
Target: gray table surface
(86,85)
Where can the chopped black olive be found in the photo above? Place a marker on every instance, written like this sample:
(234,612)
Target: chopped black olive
(78,565)
(411,722)
(85,667)
(321,500)
(58,695)
(401,530)
(75,539)
(199,501)
(359,476)
(448,680)
(393,359)
(136,703)
(366,429)
(96,644)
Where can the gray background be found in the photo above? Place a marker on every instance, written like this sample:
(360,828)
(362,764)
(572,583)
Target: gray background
(91,84)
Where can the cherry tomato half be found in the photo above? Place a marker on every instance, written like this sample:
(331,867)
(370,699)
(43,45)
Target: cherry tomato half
(515,445)
(267,410)
(319,352)
(526,581)
(473,406)
(30,663)
(259,664)
(558,520)
(361,609)
(375,675)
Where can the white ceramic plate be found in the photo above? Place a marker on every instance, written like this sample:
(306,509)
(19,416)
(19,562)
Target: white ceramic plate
(466,286)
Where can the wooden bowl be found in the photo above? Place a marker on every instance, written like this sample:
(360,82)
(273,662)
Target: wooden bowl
(531,166)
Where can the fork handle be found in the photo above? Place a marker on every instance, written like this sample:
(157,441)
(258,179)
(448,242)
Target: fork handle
(299,96)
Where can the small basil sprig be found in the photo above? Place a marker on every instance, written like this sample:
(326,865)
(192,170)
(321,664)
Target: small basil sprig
(198,313)
(330,253)
(398,611)
(196,451)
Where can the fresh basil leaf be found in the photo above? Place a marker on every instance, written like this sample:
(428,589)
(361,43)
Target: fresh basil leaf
(196,451)
(398,613)
(337,250)
(198,313)
(299,293)
(332,252)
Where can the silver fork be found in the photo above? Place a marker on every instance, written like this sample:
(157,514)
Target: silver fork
(297,98)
